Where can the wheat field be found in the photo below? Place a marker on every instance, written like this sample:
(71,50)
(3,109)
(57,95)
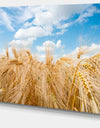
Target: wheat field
(69,84)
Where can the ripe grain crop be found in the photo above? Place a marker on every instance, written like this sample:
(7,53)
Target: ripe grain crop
(70,84)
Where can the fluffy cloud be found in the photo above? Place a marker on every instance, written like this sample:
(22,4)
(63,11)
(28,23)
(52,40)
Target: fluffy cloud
(61,32)
(90,51)
(40,21)
(26,13)
(45,19)
(5,20)
(21,43)
(24,37)
(52,15)
(47,15)
(33,32)
(44,14)
(51,45)
(88,13)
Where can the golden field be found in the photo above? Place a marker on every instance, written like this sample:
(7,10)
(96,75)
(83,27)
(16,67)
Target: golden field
(70,84)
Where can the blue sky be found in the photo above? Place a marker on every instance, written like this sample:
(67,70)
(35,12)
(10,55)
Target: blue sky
(63,27)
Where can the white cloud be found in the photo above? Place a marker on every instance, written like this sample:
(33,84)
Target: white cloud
(24,37)
(63,26)
(3,52)
(88,13)
(55,14)
(21,43)
(58,44)
(26,13)
(47,15)
(44,20)
(90,51)
(61,32)
(41,57)
(50,15)
(44,15)
(94,47)
(33,32)
(27,24)
(5,20)
(49,44)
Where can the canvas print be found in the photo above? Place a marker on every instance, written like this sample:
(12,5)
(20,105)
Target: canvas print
(50,56)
